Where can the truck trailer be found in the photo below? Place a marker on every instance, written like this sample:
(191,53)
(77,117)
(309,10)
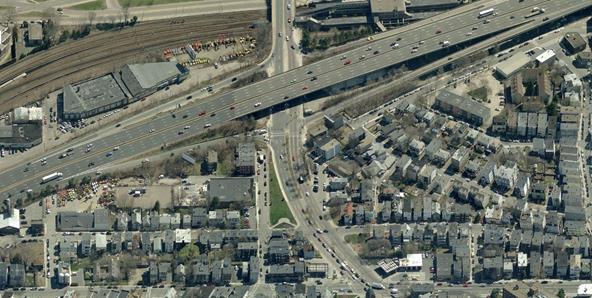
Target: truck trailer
(485,13)
(52,176)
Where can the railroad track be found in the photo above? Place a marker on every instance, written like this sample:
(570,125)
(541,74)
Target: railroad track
(69,59)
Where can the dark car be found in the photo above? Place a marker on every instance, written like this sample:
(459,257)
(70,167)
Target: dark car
(184,116)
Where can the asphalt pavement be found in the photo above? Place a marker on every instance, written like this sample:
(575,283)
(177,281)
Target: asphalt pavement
(280,88)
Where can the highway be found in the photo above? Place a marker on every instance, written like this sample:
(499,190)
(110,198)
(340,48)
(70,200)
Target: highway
(135,139)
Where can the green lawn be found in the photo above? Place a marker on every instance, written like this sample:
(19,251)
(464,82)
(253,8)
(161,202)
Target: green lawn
(479,93)
(132,3)
(94,5)
(279,207)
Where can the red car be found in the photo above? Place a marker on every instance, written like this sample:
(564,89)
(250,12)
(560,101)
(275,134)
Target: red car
(348,62)
(232,108)
(202,113)
(304,88)
(438,31)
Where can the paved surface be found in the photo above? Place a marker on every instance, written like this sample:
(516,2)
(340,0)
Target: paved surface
(113,12)
(135,139)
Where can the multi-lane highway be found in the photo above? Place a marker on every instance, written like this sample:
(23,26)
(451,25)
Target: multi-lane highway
(280,88)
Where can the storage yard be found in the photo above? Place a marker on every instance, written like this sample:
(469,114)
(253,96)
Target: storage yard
(103,52)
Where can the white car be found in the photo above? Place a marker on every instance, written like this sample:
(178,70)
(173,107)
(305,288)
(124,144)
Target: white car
(208,125)
(287,38)
(116,148)
(187,127)
(257,104)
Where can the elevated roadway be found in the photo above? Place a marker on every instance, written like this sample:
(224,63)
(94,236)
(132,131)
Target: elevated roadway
(281,88)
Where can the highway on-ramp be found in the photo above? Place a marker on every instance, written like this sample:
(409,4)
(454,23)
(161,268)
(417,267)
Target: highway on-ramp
(377,55)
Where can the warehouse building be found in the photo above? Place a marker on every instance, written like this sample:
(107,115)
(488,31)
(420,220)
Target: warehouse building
(27,115)
(463,108)
(144,79)
(114,90)
(512,65)
(21,136)
(92,97)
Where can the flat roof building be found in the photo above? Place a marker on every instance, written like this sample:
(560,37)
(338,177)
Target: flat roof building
(21,136)
(573,42)
(462,107)
(92,97)
(231,190)
(512,65)
(144,79)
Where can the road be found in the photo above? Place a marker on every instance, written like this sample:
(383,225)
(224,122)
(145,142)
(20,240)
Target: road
(144,13)
(279,88)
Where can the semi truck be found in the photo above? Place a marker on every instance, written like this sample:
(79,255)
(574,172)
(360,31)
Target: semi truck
(52,176)
(535,12)
(485,13)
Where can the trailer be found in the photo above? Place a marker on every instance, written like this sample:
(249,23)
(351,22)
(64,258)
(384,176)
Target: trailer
(535,12)
(485,13)
(52,176)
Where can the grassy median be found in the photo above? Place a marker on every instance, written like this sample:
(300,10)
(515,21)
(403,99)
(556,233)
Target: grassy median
(278,206)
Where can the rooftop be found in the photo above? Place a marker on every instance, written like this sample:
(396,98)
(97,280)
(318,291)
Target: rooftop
(231,189)
(138,77)
(464,104)
(513,64)
(383,6)
(92,94)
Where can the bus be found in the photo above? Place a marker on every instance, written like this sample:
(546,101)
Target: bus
(486,12)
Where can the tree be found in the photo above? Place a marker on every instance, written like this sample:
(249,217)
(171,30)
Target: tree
(214,202)
(156,206)
(561,293)
(188,253)
(91,17)
(495,293)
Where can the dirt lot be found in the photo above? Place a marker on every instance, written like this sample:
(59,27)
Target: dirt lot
(160,193)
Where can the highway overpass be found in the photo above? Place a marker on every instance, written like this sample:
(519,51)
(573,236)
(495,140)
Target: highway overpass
(355,65)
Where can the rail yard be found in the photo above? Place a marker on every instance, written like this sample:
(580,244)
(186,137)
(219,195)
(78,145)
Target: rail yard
(105,51)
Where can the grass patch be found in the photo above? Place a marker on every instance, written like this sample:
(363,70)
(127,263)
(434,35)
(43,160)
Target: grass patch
(279,207)
(132,3)
(479,93)
(94,5)
(356,238)
(81,264)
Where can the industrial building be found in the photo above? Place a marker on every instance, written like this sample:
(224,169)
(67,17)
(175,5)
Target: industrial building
(35,34)
(21,136)
(513,65)
(5,38)
(347,13)
(463,108)
(114,90)
(27,115)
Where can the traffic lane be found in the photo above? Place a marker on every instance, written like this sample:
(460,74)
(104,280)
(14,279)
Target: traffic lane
(351,71)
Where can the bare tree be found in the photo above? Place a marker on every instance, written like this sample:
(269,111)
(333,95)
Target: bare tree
(91,17)
(125,12)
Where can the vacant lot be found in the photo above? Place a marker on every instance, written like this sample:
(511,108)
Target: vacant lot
(279,208)
(160,193)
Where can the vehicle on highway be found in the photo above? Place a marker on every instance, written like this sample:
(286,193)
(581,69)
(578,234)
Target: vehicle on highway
(232,108)
(414,51)
(180,132)
(116,148)
(421,42)
(287,38)
(305,88)
(213,114)
(90,164)
(257,104)
(486,12)
(309,72)
(109,154)
(438,31)
(342,58)
(313,79)
(208,125)
(52,176)
(151,130)
(363,57)
(280,34)
(189,97)
(201,113)
(184,116)
(187,127)
(376,52)
(348,62)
